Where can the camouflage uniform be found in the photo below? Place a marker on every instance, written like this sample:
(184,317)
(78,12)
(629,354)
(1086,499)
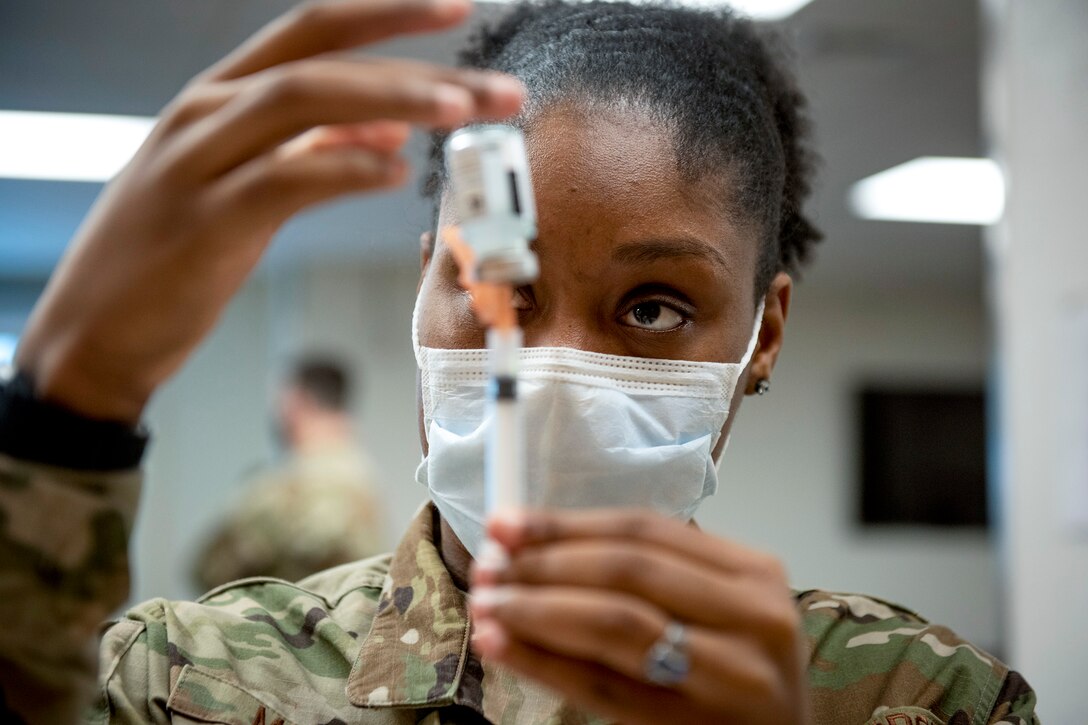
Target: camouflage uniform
(316,510)
(384,640)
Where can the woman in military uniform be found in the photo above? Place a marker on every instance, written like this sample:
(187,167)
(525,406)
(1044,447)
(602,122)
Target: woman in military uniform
(670,163)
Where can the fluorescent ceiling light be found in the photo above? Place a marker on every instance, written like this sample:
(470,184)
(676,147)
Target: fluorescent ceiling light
(8,342)
(756,9)
(68,146)
(933,189)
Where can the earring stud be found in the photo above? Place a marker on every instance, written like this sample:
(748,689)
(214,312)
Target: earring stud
(762,386)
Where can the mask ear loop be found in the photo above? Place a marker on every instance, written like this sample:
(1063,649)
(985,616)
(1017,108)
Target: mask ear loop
(755,337)
(415,331)
(421,368)
(742,366)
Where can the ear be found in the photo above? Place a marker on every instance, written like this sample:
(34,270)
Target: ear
(426,252)
(772,332)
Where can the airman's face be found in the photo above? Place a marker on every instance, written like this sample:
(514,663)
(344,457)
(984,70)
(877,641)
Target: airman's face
(634,259)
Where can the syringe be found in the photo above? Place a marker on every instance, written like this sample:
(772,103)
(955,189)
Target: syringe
(492,199)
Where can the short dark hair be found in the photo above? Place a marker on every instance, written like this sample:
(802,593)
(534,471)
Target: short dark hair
(324,380)
(719,83)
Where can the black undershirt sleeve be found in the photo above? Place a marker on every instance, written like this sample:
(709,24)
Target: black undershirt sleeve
(37,431)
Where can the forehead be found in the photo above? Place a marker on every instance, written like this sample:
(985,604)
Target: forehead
(613,173)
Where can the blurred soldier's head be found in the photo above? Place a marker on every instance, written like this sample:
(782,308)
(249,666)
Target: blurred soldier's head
(312,408)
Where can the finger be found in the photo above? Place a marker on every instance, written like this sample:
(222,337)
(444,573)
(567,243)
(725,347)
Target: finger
(688,590)
(268,190)
(384,137)
(495,93)
(517,529)
(613,630)
(618,632)
(497,98)
(274,107)
(321,27)
(587,685)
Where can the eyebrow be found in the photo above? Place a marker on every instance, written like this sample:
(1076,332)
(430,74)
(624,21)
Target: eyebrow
(653,250)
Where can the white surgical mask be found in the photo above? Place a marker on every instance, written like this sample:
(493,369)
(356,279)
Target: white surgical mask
(600,430)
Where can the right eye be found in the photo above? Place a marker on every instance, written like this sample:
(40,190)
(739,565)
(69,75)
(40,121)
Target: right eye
(653,316)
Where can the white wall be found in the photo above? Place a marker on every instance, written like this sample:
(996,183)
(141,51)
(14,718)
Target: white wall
(1037,103)
(794,445)
(788,482)
(210,424)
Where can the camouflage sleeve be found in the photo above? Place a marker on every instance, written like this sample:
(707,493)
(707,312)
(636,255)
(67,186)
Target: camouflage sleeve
(135,667)
(1015,704)
(63,570)
(877,663)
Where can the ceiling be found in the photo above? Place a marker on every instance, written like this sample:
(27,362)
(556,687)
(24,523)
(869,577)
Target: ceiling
(888,81)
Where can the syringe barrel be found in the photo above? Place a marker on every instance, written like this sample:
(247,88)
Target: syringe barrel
(492,198)
(504,466)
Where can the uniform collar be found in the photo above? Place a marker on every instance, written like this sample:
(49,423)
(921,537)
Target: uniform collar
(417,653)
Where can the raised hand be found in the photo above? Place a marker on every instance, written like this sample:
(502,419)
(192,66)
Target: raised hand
(284,122)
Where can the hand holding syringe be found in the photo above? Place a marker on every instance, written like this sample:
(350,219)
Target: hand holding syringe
(493,199)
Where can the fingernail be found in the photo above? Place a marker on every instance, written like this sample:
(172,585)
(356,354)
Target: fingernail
(450,9)
(492,558)
(503,85)
(512,519)
(453,103)
(489,638)
(485,600)
(395,168)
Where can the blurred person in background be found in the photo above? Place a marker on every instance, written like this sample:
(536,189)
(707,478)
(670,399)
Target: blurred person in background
(314,509)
